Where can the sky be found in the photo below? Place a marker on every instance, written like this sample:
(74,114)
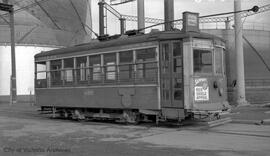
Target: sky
(155,9)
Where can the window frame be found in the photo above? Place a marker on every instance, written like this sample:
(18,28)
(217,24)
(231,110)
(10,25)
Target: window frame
(92,67)
(56,82)
(222,60)
(68,80)
(89,67)
(144,63)
(39,82)
(110,68)
(129,64)
(83,76)
(212,61)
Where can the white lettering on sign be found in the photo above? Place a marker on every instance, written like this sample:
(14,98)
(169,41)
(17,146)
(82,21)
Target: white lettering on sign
(201,89)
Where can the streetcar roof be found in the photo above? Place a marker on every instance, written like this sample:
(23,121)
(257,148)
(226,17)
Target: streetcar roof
(128,40)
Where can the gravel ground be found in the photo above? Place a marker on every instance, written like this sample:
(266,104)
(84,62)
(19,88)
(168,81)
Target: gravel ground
(24,132)
(251,112)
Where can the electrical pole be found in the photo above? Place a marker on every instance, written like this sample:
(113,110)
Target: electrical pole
(101,18)
(13,89)
(122,25)
(240,73)
(140,14)
(169,14)
(13,59)
(228,55)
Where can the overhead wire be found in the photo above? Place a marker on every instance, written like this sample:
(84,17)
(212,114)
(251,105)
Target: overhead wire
(255,9)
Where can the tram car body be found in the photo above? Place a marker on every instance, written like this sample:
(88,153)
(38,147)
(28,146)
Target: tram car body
(172,75)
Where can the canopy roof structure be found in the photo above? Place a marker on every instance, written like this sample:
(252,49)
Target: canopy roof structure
(68,21)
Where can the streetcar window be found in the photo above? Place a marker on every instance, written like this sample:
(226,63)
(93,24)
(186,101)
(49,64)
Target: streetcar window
(126,56)
(81,69)
(110,66)
(41,75)
(56,65)
(165,58)
(218,60)
(146,54)
(68,69)
(177,49)
(178,95)
(95,67)
(55,70)
(202,61)
(146,64)
(177,57)
(177,69)
(125,66)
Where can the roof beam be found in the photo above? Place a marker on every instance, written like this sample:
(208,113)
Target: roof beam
(77,13)
(4,19)
(48,15)
(26,34)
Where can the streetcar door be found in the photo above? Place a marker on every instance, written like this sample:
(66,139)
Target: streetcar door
(171,75)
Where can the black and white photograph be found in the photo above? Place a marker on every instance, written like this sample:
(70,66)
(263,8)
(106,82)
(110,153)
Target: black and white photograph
(134,77)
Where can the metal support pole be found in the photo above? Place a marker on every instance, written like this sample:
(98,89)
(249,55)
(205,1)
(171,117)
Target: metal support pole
(140,14)
(48,73)
(13,60)
(241,96)
(101,17)
(122,25)
(169,14)
(13,91)
(229,64)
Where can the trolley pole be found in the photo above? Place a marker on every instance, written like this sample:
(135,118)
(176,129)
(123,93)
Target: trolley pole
(13,91)
(240,73)
(140,14)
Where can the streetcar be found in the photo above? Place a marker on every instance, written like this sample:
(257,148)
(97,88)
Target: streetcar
(162,76)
